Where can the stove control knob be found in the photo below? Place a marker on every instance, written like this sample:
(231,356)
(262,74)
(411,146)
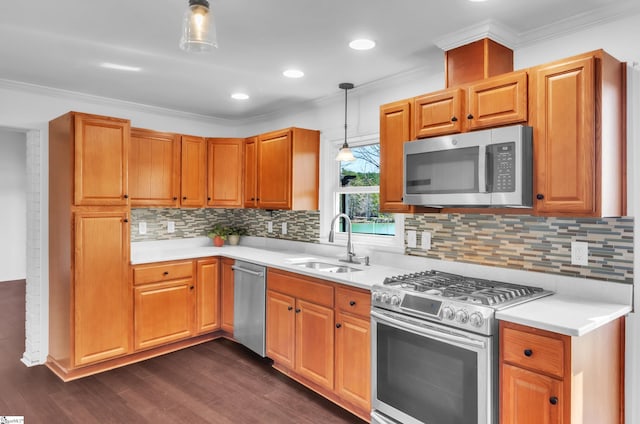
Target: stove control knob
(448,313)
(395,300)
(385,297)
(462,316)
(476,319)
(377,296)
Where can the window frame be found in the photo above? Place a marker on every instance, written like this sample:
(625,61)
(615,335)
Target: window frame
(329,204)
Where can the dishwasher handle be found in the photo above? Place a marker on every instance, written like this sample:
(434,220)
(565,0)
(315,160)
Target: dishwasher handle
(248,271)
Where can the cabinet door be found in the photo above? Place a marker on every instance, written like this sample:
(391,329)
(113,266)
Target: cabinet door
(564,138)
(154,168)
(497,101)
(102,299)
(530,398)
(225,172)
(353,359)
(395,129)
(101,160)
(250,172)
(227,295)
(274,170)
(314,343)
(193,171)
(163,312)
(280,328)
(208,295)
(439,113)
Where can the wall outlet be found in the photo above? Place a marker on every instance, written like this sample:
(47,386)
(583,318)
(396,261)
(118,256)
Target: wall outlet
(142,228)
(579,253)
(425,240)
(411,238)
(269,227)
(284,228)
(171,227)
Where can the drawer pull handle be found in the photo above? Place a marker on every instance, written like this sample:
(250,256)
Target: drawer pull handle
(553,400)
(352,303)
(528,352)
(289,308)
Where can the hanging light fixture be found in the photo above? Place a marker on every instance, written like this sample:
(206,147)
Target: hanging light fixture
(198,28)
(345,153)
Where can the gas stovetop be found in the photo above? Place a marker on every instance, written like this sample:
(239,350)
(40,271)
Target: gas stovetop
(454,300)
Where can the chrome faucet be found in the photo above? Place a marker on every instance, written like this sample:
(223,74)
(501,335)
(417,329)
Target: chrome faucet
(351,255)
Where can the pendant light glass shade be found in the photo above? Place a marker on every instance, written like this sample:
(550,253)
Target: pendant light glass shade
(345,153)
(198,28)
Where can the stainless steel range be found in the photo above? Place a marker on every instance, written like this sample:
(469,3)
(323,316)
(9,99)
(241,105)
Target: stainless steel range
(435,345)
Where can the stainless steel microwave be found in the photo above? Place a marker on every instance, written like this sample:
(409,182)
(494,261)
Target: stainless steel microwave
(488,168)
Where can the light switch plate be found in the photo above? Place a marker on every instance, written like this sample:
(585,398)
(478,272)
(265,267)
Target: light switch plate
(411,238)
(426,240)
(142,228)
(171,227)
(284,228)
(270,227)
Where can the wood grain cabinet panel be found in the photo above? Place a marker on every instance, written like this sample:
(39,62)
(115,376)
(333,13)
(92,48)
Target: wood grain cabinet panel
(439,113)
(353,359)
(281,324)
(226,303)
(395,129)
(497,101)
(528,396)
(154,168)
(314,343)
(207,295)
(225,170)
(193,171)
(250,172)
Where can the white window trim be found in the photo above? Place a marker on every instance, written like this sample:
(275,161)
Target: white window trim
(329,206)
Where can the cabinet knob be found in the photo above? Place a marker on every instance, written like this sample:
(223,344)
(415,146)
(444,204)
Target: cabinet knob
(297,310)
(209,198)
(528,352)
(175,197)
(469,116)
(352,303)
(191,287)
(289,308)
(126,220)
(184,198)
(539,196)
(338,325)
(253,198)
(553,400)
(165,273)
(126,196)
(454,119)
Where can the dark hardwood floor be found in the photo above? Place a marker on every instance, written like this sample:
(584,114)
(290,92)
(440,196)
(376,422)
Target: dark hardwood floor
(216,382)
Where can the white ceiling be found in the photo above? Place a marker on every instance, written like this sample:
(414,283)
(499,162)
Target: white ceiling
(60,43)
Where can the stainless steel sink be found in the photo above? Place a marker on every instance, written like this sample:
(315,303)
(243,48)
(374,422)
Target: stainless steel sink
(327,267)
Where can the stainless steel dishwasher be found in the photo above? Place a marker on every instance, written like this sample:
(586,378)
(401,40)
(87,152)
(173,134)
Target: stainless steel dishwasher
(249,305)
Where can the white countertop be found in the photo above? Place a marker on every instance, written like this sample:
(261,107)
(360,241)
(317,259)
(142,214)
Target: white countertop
(562,314)
(573,311)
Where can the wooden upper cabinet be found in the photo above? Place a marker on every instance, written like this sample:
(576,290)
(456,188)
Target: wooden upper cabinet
(497,101)
(101,312)
(193,171)
(250,172)
(579,163)
(225,169)
(154,168)
(101,160)
(439,113)
(288,169)
(395,129)
(475,61)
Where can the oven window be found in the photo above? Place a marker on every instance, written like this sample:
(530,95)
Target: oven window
(432,381)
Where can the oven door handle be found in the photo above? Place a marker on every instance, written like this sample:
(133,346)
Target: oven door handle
(427,330)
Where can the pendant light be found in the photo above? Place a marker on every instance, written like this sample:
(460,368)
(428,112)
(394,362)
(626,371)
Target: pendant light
(198,28)
(345,153)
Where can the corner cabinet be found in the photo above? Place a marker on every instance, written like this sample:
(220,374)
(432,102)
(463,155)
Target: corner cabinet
(225,167)
(549,378)
(286,170)
(90,304)
(579,159)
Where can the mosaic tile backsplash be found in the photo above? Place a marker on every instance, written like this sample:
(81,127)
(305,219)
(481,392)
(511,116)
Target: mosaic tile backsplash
(511,241)
(301,225)
(529,243)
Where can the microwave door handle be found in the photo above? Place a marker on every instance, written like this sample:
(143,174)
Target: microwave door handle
(482,168)
(488,171)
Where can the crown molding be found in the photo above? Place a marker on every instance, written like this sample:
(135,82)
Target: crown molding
(494,30)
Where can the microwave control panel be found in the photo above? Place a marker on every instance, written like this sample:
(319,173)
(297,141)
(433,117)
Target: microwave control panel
(503,156)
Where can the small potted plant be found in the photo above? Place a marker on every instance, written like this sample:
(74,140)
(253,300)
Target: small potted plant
(218,234)
(235,233)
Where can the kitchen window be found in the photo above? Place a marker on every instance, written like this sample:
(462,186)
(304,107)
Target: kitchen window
(356,193)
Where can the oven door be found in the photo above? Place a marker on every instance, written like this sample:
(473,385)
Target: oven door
(423,372)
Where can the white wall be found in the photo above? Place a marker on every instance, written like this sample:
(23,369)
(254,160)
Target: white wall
(13,198)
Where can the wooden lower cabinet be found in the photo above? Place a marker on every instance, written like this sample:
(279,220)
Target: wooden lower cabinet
(207,295)
(552,378)
(226,295)
(319,334)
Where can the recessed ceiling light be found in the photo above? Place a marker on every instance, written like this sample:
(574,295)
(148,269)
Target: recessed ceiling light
(120,67)
(362,44)
(293,73)
(240,96)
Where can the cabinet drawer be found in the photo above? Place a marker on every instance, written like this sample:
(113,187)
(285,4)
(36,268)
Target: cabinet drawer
(162,272)
(300,287)
(354,301)
(533,351)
